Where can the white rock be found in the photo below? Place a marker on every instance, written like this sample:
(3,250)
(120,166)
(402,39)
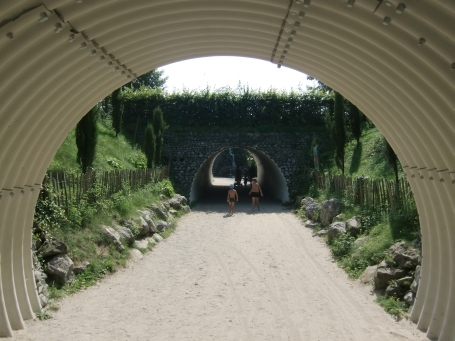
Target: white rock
(157,238)
(141,244)
(136,255)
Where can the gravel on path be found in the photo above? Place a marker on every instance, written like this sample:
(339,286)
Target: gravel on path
(253,276)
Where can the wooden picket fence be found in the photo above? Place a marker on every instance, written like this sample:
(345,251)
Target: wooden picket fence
(380,194)
(72,188)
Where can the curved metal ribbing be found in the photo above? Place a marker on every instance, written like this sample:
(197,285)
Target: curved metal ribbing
(407,89)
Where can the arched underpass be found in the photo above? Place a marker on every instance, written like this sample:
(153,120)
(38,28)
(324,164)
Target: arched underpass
(394,61)
(269,176)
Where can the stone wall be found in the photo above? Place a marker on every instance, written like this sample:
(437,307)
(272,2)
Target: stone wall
(188,151)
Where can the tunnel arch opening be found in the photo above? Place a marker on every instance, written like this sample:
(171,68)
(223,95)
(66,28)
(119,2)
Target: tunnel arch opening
(269,175)
(406,88)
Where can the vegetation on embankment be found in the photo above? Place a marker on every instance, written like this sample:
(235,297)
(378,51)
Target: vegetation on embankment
(380,228)
(365,158)
(111,152)
(80,229)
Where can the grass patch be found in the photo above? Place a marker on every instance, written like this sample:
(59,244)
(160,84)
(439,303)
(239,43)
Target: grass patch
(372,250)
(111,153)
(393,306)
(42,316)
(363,159)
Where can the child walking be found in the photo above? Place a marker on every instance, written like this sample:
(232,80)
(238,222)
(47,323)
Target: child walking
(232,197)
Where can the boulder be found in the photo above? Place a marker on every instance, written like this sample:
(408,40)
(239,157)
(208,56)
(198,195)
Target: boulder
(158,212)
(353,226)
(157,238)
(310,224)
(186,208)
(393,290)
(405,281)
(368,275)
(78,269)
(415,283)
(51,247)
(403,256)
(165,206)
(60,267)
(136,255)
(178,198)
(113,236)
(307,201)
(409,298)
(335,229)
(125,233)
(150,224)
(43,300)
(151,241)
(311,208)
(329,209)
(143,227)
(339,217)
(385,273)
(161,225)
(320,233)
(141,244)
(173,212)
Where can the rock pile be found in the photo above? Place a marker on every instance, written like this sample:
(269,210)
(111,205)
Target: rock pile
(140,233)
(398,275)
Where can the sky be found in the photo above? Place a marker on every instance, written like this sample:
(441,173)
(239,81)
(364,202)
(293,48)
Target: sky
(219,72)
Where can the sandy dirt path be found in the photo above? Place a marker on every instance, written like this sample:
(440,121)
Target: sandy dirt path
(248,277)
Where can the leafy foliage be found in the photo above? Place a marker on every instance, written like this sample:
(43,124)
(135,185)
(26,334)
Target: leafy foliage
(355,117)
(87,138)
(117,110)
(150,145)
(226,110)
(152,79)
(159,126)
(339,131)
(342,245)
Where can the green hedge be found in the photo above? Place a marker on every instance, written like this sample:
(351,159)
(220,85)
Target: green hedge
(227,110)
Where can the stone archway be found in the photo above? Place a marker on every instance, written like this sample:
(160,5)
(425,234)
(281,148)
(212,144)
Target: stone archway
(269,175)
(396,63)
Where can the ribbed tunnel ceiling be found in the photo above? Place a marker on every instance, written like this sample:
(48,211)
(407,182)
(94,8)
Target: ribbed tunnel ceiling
(59,57)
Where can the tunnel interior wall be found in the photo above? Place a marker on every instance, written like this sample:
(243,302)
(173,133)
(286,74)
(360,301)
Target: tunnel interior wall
(270,177)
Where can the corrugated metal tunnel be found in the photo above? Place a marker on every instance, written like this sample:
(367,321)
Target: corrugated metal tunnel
(395,61)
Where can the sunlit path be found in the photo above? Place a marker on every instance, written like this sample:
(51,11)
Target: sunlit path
(252,277)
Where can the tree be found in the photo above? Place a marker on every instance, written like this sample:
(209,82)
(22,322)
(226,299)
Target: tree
(150,145)
(87,138)
(116,111)
(339,130)
(355,122)
(153,79)
(392,159)
(159,126)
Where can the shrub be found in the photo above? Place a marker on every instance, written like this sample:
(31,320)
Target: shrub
(341,245)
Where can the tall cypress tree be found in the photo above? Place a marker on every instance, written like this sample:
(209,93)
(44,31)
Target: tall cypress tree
(158,126)
(150,145)
(116,111)
(355,122)
(339,130)
(392,159)
(87,138)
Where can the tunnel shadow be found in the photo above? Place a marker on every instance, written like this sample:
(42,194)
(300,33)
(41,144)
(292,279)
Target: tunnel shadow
(214,199)
(269,175)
